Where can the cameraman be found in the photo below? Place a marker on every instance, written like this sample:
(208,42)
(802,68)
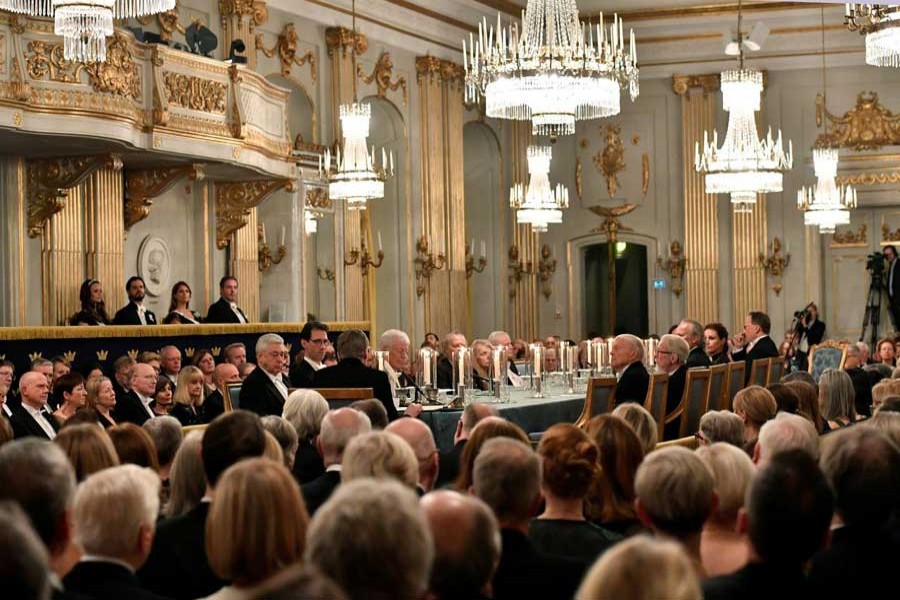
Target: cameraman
(810,331)
(893,284)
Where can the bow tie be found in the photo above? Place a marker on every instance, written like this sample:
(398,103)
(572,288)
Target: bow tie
(232,305)
(141,309)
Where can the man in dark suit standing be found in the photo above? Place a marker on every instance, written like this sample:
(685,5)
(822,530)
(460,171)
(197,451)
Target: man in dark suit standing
(225,309)
(754,343)
(314,340)
(134,406)
(135,313)
(626,360)
(178,566)
(266,388)
(671,354)
(892,281)
(692,332)
(28,418)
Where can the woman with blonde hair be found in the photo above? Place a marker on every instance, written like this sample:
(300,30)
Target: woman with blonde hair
(837,399)
(88,448)
(639,568)
(101,396)
(187,481)
(641,421)
(610,500)
(722,549)
(481,364)
(256,526)
(189,396)
(754,405)
(203,359)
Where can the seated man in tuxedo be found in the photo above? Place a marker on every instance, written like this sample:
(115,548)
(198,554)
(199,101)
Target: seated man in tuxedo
(396,344)
(225,309)
(214,405)
(265,389)
(671,354)
(314,340)
(7,372)
(352,372)
(754,343)
(626,359)
(692,332)
(501,339)
(122,375)
(28,418)
(115,543)
(235,354)
(134,406)
(452,341)
(135,313)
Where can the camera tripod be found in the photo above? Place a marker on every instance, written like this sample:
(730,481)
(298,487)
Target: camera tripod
(872,315)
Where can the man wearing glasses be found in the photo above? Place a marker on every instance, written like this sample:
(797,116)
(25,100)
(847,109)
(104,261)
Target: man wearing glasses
(671,354)
(266,388)
(314,340)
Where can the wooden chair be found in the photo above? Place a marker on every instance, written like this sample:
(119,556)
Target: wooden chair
(341,397)
(718,388)
(759,372)
(776,370)
(827,355)
(601,398)
(189,428)
(735,382)
(695,402)
(689,442)
(655,402)
(232,396)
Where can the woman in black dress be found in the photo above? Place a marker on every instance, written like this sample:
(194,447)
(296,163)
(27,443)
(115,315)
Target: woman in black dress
(180,312)
(93,308)
(717,343)
(188,408)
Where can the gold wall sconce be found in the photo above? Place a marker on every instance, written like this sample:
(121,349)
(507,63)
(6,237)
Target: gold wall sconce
(265,257)
(363,257)
(471,267)
(775,263)
(426,263)
(546,269)
(518,268)
(674,265)
(325,274)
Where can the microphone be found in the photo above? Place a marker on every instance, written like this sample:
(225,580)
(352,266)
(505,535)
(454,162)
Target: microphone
(412,383)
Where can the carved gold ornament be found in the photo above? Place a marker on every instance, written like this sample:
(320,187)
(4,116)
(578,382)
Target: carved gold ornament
(674,265)
(381,75)
(444,70)
(866,126)
(195,93)
(256,9)
(683,84)
(579,177)
(142,186)
(611,224)
(317,198)
(868,179)
(775,263)
(341,38)
(235,200)
(645,173)
(286,47)
(611,160)
(119,74)
(850,238)
(888,236)
(45,60)
(2,54)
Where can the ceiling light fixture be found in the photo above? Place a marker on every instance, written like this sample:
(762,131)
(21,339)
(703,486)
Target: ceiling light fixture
(880,23)
(538,203)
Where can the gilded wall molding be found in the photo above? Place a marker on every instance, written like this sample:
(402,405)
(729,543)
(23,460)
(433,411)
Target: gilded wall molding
(866,126)
(850,238)
(868,179)
(288,54)
(118,75)
(888,236)
(317,199)
(49,182)
(683,84)
(256,9)
(610,161)
(235,200)
(142,186)
(446,71)
(195,93)
(381,76)
(341,38)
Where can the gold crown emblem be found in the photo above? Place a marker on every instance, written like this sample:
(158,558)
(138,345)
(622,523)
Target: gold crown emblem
(133,354)
(34,356)
(102,354)
(288,346)
(69,356)
(189,352)
(216,351)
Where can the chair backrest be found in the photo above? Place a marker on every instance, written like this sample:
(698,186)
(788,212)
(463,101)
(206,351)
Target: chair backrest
(695,401)
(776,370)
(656,400)
(232,396)
(689,442)
(827,355)
(601,397)
(735,381)
(759,372)
(341,397)
(718,396)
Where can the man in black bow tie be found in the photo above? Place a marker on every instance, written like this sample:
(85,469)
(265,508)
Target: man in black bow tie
(226,310)
(135,313)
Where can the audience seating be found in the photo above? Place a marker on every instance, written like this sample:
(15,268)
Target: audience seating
(232,398)
(340,397)
(601,398)
(776,370)
(827,355)
(689,442)
(759,372)
(656,400)
(735,381)
(695,401)
(718,387)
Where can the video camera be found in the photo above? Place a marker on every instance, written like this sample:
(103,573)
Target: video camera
(875,263)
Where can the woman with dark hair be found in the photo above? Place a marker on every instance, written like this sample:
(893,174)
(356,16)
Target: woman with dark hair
(70,394)
(717,343)
(91,370)
(93,308)
(163,397)
(180,312)
(610,500)
(486,429)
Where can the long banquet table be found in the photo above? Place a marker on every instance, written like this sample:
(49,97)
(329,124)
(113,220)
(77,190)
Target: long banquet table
(529,413)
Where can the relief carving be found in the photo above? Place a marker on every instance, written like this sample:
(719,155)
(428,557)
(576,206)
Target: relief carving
(234,201)
(850,238)
(286,47)
(45,60)
(611,160)
(195,93)
(445,70)
(317,198)
(866,126)
(256,9)
(341,38)
(683,84)
(381,75)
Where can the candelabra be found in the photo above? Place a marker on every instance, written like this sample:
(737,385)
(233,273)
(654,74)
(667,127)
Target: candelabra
(363,257)
(471,268)
(519,269)
(775,263)
(325,274)
(546,269)
(265,257)
(674,266)
(426,263)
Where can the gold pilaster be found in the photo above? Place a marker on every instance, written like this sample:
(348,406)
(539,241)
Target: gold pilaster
(239,19)
(523,294)
(245,266)
(62,260)
(104,241)
(749,281)
(701,225)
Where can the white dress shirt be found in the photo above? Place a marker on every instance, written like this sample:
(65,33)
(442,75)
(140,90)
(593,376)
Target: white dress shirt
(751,345)
(145,402)
(234,309)
(142,313)
(279,384)
(316,366)
(38,416)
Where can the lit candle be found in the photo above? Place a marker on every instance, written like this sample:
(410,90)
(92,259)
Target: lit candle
(497,352)
(472,246)
(462,364)
(283,232)
(379,240)
(263,233)
(537,351)
(588,347)
(483,249)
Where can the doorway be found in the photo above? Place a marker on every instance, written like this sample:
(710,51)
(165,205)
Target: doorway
(631,296)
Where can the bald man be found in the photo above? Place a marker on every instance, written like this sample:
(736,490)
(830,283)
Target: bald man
(466,543)
(418,435)
(214,405)
(28,418)
(449,460)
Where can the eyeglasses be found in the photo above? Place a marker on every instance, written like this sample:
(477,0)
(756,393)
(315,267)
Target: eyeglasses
(319,342)
(658,351)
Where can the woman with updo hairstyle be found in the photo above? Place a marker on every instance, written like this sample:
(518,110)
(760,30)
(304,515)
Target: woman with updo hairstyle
(487,428)
(93,307)
(716,337)
(610,500)
(754,405)
(569,459)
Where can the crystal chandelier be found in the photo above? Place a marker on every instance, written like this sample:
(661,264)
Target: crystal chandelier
(880,23)
(745,165)
(538,203)
(827,205)
(554,71)
(355,178)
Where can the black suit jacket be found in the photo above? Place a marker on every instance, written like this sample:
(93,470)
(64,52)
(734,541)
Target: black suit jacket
(697,358)
(449,464)
(633,384)
(24,425)
(308,464)
(444,373)
(352,373)
(302,374)
(859,562)
(673,399)
(128,315)
(178,566)
(319,490)
(106,581)
(814,334)
(259,394)
(220,312)
(862,386)
(759,580)
(129,408)
(213,406)
(764,348)
(523,572)
(893,290)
